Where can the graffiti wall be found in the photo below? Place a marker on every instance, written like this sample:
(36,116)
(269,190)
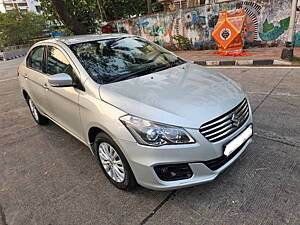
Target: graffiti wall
(297,38)
(267,22)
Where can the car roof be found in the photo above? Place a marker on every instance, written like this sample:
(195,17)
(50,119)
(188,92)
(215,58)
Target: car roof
(70,40)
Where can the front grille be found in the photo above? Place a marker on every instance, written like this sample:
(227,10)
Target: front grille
(222,126)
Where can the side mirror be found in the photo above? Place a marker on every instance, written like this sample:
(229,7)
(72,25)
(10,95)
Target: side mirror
(60,80)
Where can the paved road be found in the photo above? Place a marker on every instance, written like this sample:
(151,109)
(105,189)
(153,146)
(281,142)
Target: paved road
(48,177)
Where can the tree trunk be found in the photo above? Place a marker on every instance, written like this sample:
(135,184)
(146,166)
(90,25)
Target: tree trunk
(114,10)
(70,21)
(101,10)
(149,6)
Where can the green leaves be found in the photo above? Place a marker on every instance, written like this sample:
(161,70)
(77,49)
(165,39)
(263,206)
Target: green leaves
(118,9)
(184,43)
(90,12)
(16,28)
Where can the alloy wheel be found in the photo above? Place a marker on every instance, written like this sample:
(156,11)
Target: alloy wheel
(33,110)
(111,162)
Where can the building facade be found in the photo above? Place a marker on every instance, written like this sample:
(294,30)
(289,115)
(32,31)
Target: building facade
(22,6)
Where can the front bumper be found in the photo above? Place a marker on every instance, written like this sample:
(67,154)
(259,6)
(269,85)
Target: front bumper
(143,159)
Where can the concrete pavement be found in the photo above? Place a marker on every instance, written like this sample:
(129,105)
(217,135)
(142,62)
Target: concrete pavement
(48,177)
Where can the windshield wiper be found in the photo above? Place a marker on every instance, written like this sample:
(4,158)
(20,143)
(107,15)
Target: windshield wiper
(144,71)
(177,62)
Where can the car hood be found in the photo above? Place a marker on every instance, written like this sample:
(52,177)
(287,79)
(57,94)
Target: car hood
(187,95)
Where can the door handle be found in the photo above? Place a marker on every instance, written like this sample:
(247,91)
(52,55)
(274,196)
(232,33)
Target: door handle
(45,86)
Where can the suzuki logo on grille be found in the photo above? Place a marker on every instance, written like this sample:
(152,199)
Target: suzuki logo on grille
(235,120)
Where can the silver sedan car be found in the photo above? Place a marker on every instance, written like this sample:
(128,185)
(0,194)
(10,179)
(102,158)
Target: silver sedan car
(148,116)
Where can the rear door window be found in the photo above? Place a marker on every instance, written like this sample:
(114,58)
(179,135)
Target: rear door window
(35,59)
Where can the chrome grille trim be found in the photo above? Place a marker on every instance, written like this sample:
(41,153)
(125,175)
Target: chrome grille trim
(240,111)
(222,136)
(219,131)
(216,122)
(222,126)
(218,127)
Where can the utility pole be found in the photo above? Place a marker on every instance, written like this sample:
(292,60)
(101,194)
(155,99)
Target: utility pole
(149,6)
(288,51)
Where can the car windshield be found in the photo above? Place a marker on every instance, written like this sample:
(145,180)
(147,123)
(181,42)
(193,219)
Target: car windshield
(112,60)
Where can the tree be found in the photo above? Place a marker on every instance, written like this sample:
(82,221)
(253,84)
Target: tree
(82,16)
(16,28)
(79,16)
(120,9)
(68,18)
(149,6)
(103,16)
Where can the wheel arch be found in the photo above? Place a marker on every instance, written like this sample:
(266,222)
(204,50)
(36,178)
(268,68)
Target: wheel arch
(95,129)
(25,94)
(92,133)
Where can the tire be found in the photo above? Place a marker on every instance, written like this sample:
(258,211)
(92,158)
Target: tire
(112,160)
(37,116)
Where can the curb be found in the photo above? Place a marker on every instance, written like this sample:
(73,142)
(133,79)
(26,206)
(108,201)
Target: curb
(263,62)
(13,54)
(13,57)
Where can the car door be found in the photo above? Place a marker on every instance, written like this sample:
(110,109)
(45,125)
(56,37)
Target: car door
(63,101)
(36,79)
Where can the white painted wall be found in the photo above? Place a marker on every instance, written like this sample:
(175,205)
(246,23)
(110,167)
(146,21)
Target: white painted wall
(2,9)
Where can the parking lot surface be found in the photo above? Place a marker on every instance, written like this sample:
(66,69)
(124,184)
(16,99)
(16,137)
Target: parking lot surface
(47,177)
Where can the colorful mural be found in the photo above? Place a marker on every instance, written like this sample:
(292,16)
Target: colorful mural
(274,21)
(272,32)
(266,22)
(297,42)
(252,11)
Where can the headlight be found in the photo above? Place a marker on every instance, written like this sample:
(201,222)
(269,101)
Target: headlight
(154,134)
